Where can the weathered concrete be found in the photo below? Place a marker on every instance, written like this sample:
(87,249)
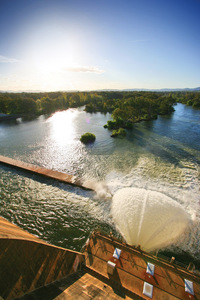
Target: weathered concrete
(27,263)
(66,178)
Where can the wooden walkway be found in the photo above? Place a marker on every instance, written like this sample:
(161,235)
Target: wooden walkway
(62,177)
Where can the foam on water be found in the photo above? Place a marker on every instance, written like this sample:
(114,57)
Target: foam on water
(100,188)
(180,183)
(148,218)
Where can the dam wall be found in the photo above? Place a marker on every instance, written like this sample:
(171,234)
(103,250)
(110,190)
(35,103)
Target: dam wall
(28,263)
(60,176)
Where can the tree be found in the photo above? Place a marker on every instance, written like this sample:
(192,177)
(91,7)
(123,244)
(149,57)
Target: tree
(120,114)
(121,132)
(87,138)
(46,105)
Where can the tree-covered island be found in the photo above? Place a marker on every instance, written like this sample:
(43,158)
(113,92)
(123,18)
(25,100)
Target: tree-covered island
(136,107)
(88,138)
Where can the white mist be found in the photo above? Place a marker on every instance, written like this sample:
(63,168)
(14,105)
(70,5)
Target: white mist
(148,218)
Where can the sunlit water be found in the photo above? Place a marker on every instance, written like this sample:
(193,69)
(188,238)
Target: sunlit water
(161,156)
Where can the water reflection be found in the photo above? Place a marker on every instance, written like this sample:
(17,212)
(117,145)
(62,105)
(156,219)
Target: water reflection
(62,127)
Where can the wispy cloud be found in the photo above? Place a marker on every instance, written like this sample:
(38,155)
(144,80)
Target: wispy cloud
(84,69)
(5,59)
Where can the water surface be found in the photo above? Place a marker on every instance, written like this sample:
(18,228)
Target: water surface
(161,155)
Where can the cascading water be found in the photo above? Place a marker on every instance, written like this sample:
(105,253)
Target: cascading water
(148,218)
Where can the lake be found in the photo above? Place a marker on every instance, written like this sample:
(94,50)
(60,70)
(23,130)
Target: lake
(162,155)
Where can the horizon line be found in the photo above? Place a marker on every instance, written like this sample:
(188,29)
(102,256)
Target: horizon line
(99,90)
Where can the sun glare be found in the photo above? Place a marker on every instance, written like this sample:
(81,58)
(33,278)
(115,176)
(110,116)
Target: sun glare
(53,49)
(48,66)
(62,127)
(53,61)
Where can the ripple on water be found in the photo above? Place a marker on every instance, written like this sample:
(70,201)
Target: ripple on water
(59,214)
(155,155)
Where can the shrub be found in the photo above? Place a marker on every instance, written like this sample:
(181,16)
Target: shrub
(115,124)
(121,132)
(87,138)
(196,104)
(189,103)
(128,124)
(112,125)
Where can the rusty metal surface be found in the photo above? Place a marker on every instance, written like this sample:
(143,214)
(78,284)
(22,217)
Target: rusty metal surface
(11,231)
(130,272)
(81,286)
(27,263)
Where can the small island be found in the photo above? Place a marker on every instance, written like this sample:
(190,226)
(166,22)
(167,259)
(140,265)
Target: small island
(121,132)
(87,138)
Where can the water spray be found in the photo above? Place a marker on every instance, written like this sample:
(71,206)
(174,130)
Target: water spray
(148,218)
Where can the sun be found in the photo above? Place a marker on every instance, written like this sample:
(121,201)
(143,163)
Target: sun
(47,64)
(54,59)
(52,49)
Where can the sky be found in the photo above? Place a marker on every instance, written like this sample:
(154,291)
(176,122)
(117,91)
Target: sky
(60,45)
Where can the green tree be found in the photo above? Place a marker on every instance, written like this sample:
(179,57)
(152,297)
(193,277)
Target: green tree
(88,138)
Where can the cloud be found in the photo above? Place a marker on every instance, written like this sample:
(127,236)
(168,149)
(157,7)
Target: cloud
(84,69)
(4,59)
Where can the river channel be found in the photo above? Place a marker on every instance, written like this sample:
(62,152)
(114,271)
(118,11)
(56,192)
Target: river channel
(162,155)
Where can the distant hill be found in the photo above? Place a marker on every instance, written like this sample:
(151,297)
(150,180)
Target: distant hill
(183,90)
(165,90)
(197,89)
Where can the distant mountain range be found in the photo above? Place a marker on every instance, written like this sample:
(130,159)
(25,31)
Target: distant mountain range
(156,90)
(197,89)
(179,90)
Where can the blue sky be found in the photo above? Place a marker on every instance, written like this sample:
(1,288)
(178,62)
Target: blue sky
(86,45)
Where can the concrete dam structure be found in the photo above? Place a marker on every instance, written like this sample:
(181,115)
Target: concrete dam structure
(27,263)
(60,176)
(105,269)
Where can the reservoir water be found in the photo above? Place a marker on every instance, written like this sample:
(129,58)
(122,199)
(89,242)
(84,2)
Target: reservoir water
(162,156)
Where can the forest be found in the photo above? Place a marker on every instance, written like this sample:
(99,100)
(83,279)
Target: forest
(125,107)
